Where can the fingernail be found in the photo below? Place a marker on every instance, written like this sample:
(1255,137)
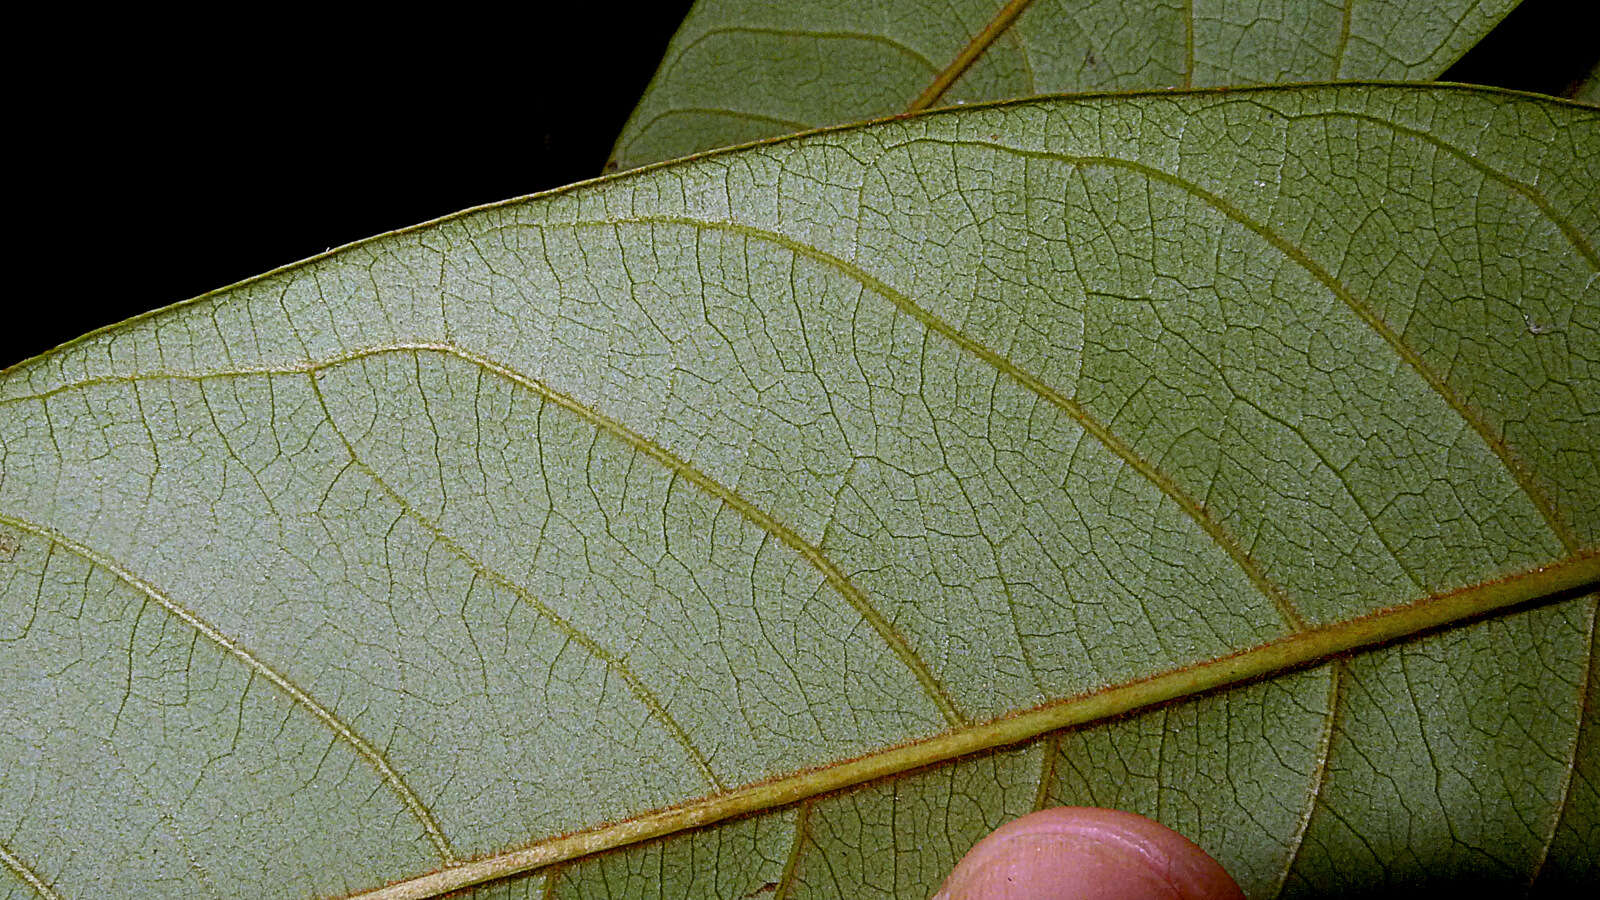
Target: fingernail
(1085,853)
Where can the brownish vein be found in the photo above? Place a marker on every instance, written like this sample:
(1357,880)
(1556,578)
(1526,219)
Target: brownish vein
(361,745)
(638,130)
(813,554)
(1576,573)
(1344,39)
(1047,771)
(1319,772)
(552,877)
(1574,235)
(20,869)
(1107,438)
(791,866)
(1188,44)
(969,54)
(1570,774)
(1524,477)
(612,661)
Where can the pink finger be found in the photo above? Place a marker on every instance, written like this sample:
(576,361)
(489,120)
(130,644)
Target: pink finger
(1084,853)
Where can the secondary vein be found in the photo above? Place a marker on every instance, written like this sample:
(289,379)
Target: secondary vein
(361,745)
(832,574)
(1319,772)
(1570,774)
(17,867)
(636,685)
(1520,473)
(1576,574)
(1109,439)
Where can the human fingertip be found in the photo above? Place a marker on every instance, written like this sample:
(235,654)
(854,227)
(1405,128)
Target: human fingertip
(1087,853)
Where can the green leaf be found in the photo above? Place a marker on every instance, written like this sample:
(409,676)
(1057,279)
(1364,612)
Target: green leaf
(1230,457)
(740,70)
(1588,90)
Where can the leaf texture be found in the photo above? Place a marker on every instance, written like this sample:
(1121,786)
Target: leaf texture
(1229,457)
(741,70)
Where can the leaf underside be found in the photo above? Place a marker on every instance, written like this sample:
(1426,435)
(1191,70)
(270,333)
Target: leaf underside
(1588,90)
(741,70)
(747,470)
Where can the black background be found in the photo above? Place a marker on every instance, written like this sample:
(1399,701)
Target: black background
(163,167)
(158,168)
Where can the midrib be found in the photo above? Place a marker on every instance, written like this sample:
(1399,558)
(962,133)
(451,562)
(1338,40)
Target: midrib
(1577,574)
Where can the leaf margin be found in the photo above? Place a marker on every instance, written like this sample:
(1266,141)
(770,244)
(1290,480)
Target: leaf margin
(1585,561)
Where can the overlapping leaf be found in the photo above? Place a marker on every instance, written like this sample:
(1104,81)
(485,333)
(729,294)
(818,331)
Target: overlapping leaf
(739,70)
(1589,89)
(866,460)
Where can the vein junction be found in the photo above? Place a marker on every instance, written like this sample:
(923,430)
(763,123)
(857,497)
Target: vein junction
(344,732)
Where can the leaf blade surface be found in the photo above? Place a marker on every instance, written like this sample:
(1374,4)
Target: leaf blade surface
(677,485)
(739,70)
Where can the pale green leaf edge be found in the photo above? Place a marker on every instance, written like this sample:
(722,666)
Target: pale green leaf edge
(1305,87)
(1005,19)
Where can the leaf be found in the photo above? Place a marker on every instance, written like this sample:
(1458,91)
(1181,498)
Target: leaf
(1588,90)
(1230,457)
(740,70)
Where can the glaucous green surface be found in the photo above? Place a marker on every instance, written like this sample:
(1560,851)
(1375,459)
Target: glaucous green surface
(556,512)
(740,70)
